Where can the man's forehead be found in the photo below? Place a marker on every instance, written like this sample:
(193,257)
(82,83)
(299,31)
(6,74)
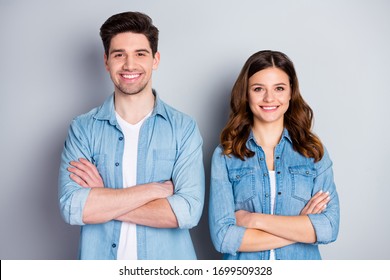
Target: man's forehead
(130,39)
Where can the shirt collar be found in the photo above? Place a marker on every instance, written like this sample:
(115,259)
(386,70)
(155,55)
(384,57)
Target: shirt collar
(285,135)
(107,110)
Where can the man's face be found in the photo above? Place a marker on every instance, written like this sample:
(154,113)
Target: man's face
(130,63)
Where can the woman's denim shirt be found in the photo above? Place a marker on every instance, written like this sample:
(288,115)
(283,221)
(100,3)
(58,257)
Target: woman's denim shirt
(245,185)
(170,148)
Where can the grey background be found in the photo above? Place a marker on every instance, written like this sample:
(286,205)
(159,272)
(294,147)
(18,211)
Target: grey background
(52,69)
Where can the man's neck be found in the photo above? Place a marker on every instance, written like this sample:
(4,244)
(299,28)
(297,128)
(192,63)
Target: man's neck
(133,108)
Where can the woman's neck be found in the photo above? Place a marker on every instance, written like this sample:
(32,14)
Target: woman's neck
(267,136)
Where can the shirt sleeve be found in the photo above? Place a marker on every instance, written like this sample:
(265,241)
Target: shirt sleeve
(326,224)
(225,234)
(188,178)
(71,196)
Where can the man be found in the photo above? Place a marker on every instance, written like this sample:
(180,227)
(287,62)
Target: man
(131,170)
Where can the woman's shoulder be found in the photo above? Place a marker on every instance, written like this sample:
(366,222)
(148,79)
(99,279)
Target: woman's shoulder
(219,154)
(324,163)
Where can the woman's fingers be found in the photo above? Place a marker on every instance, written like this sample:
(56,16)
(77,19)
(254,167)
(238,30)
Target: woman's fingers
(316,204)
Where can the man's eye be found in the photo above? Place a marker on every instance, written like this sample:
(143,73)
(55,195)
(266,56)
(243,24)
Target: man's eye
(118,55)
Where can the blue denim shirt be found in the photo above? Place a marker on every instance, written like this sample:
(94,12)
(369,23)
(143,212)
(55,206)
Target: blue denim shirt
(245,185)
(170,148)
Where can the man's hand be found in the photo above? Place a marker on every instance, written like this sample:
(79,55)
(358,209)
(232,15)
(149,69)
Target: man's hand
(165,189)
(317,204)
(85,174)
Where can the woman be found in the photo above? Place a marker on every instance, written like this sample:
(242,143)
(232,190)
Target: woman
(272,193)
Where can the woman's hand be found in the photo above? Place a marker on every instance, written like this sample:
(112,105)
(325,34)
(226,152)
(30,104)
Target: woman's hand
(244,219)
(317,204)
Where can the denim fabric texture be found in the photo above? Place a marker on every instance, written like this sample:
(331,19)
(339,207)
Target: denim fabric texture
(170,148)
(244,185)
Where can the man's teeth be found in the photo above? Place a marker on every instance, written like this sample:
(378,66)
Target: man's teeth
(132,76)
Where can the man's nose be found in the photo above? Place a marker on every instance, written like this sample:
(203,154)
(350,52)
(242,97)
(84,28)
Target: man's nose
(129,63)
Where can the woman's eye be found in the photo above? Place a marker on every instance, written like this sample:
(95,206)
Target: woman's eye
(280,89)
(257,89)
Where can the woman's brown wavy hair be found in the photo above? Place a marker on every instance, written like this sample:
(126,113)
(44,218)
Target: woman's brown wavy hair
(298,119)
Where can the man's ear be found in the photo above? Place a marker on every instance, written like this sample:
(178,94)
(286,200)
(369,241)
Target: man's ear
(156,60)
(106,62)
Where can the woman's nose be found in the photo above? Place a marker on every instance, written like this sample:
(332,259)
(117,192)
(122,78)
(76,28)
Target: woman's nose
(268,96)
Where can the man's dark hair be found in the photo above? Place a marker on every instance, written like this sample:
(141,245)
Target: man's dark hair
(135,22)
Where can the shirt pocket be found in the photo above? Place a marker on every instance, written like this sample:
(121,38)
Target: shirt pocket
(302,178)
(163,162)
(243,182)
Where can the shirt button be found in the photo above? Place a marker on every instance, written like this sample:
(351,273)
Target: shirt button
(277,157)
(265,174)
(116,163)
(279,193)
(278,172)
(266,195)
(120,138)
(113,245)
(307,172)
(261,159)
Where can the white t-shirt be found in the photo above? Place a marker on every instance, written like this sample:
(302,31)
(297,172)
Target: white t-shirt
(127,249)
(272,180)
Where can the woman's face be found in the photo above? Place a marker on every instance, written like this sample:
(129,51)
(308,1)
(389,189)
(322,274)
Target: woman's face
(269,94)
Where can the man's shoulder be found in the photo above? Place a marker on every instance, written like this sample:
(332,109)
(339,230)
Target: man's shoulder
(87,116)
(184,125)
(176,115)
(101,112)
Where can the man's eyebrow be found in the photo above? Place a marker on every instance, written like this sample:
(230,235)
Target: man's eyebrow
(123,50)
(142,50)
(117,50)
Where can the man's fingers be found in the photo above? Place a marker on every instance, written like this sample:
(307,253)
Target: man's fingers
(166,188)
(91,167)
(78,180)
(81,174)
(169,185)
(82,165)
(85,173)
